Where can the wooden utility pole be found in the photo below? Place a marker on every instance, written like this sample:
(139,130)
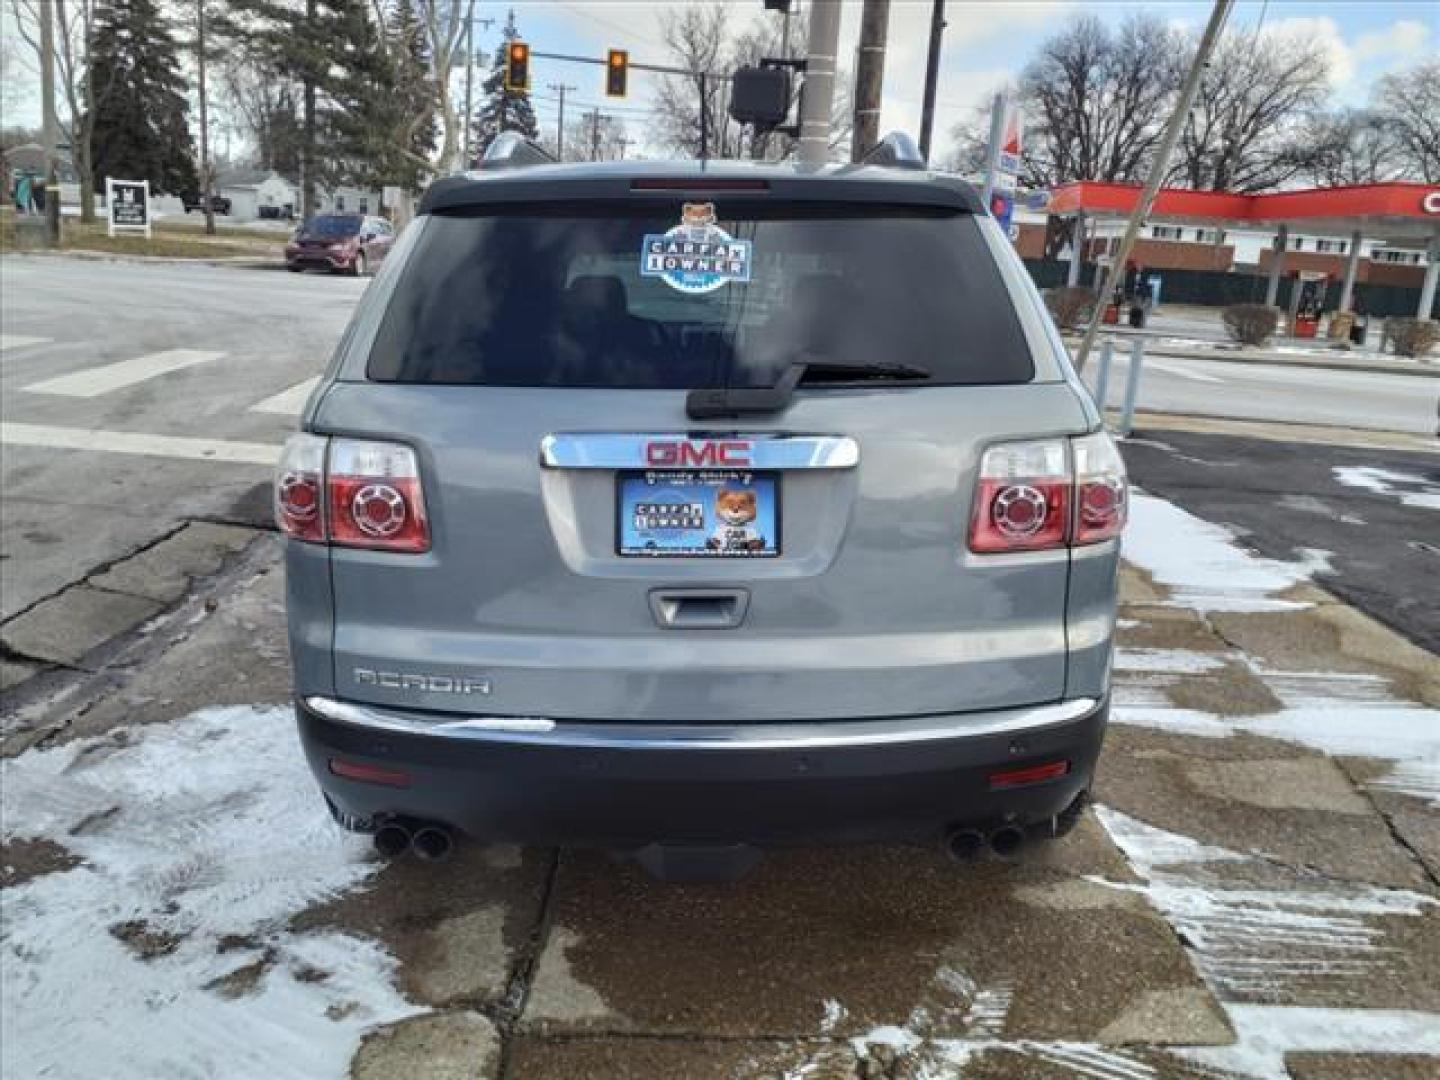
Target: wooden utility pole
(932,76)
(207,174)
(869,77)
(561,89)
(51,125)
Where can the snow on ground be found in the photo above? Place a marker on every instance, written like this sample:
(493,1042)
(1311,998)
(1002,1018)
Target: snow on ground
(1203,566)
(1391,482)
(200,840)
(1254,942)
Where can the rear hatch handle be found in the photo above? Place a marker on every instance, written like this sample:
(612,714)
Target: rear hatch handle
(699,609)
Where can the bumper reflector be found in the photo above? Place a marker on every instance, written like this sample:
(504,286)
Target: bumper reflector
(1030,774)
(369,774)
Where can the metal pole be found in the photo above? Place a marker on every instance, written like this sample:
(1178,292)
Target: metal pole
(1077,249)
(1168,140)
(1426,307)
(992,150)
(207,185)
(469,80)
(704,119)
(51,125)
(1277,263)
(932,76)
(1102,377)
(869,77)
(818,95)
(594,134)
(1132,385)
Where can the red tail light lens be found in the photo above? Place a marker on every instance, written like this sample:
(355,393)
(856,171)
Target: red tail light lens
(1100,489)
(1047,493)
(1030,774)
(375,498)
(299,506)
(370,496)
(1022,500)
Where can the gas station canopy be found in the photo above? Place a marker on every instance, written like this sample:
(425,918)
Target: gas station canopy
(1402,214)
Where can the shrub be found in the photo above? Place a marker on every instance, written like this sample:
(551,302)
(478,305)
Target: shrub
(1413,337)
(1251,324)
(1070,305)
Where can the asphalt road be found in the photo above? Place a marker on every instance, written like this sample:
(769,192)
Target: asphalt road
(1375,512)
(101,460)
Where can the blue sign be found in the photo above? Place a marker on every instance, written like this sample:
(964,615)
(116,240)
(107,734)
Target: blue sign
(697,256)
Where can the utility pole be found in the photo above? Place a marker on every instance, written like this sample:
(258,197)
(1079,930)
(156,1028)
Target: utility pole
(51,124)
(818,94)
(1168,140)
(704,118)
(465,136)
(869,77)
(623,142)
(595,119)
(932,77)
(206,174)
(561,89)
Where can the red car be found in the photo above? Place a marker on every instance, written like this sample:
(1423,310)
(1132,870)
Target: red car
(341,243)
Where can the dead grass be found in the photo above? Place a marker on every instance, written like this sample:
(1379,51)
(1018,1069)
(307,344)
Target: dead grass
(171,239)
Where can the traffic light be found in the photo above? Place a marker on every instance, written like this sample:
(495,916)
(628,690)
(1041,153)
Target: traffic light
(617,72)
(517,67)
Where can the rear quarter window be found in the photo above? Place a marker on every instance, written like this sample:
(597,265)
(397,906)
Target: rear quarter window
(541,297)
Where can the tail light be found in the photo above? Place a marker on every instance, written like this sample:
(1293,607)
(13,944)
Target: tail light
(1048,493)
(366,495)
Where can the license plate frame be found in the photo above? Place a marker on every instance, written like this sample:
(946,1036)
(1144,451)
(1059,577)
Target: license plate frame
(692,492)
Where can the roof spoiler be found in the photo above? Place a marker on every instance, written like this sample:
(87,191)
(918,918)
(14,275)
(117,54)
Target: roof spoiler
(896,150)
(510,149)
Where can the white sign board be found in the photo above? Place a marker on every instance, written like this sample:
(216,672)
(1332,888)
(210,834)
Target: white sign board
(127,205)
(390,196)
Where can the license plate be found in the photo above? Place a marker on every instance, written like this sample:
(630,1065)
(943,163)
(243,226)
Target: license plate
(699,513)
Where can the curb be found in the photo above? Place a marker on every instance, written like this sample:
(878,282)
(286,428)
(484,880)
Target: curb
(239,262)
(1282,431)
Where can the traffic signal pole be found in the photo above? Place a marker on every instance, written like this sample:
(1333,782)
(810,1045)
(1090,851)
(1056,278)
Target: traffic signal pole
(818,95)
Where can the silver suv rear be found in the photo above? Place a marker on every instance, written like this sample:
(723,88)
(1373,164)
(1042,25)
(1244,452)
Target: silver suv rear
(684,508)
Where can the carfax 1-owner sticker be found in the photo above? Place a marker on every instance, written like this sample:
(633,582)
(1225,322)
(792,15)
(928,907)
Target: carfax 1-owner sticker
(696,256)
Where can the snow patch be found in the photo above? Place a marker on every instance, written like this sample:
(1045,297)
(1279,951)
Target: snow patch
(166,952)
(834,1014)
(1167,661)
(1390,482)
(1203,566)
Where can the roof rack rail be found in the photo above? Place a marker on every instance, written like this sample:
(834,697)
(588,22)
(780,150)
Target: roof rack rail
(510,149)
(897,150)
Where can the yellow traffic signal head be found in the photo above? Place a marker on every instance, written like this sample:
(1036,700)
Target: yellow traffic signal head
(517,66)
(617,73)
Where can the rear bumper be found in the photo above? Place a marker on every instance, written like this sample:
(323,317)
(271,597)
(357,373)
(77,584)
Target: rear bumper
(629,785)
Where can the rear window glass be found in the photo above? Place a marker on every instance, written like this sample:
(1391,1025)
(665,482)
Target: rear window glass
(610,297)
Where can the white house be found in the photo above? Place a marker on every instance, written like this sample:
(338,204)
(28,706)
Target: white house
(347,200)
(251,189)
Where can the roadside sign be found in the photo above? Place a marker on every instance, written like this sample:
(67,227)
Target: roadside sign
(127,206)
(1002,173)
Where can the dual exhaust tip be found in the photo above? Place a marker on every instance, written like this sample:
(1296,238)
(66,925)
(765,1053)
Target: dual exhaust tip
(430,841)
(966,845)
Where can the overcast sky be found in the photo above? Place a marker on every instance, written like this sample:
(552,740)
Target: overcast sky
(986,43)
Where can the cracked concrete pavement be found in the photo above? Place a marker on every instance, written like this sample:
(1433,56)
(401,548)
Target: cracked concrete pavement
(1220,873)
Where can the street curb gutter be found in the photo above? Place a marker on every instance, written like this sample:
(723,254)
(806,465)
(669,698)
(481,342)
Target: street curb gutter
(236,262)
(1424,369)
(1279,431)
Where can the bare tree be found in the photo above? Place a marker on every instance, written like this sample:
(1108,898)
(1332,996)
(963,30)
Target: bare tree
(1246,129)
(701,39)
(1349,146)
(1408,103)
(445,30)
(74,21)
(1095,99)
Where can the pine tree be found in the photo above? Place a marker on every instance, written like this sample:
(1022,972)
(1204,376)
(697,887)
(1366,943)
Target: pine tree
(142,128)
(416,90)
(503,110)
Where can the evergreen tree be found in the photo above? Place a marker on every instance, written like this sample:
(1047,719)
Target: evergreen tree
(416,89)
(503,110)
(142,128)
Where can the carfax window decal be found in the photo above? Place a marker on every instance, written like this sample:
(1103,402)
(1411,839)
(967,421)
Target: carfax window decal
(696,256)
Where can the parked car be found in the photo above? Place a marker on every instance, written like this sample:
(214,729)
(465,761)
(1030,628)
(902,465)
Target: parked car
(341,243)
(195,202)
(689,510)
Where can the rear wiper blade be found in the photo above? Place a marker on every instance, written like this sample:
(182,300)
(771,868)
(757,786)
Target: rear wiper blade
(718,402)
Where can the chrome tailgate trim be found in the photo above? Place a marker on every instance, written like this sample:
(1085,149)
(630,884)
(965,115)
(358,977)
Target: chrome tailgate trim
(678,450)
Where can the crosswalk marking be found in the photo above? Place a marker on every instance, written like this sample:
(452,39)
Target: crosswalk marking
(93,382)
(131,442)
(19,341)
(288,402)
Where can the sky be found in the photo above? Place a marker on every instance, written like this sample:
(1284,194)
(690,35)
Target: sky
(986,43)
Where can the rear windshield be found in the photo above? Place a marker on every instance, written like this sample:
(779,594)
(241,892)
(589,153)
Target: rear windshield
(700,295)
(331,225)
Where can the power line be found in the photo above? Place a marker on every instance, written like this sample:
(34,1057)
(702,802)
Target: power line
(635,35)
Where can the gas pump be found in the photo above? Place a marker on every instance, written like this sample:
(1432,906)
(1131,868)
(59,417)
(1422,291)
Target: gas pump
(1307,299)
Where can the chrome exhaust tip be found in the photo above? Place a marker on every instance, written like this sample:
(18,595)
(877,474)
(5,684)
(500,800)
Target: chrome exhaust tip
(392,840)
(1006,841)
(433,843)
(965,845)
